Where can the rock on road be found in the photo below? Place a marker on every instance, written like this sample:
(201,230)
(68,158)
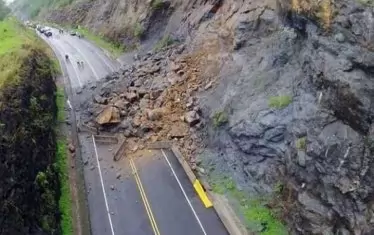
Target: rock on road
(146,195)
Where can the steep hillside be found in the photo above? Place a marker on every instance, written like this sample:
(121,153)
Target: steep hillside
(271,101)
(29,182)
(31,9)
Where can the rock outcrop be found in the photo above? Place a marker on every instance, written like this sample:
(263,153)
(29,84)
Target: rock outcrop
(290,84)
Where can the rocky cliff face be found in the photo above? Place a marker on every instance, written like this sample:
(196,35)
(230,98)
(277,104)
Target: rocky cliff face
(293,78)
(121,21)
(29,187)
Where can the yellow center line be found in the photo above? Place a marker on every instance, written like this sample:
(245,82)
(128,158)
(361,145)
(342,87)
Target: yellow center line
(144,198)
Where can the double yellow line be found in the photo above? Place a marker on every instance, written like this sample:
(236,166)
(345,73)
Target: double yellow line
(144,198)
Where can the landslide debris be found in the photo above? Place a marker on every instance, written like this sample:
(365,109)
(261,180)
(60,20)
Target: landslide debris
(152,100)
(271,93)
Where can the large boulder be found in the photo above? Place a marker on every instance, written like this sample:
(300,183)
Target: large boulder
(110,115)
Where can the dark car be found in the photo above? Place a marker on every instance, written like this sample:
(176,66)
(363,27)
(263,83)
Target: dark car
(48,33)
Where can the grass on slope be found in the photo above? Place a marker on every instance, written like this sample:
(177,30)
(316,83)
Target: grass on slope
(257,217)
(114,49)
(14,38)
(65,203)
(15,44)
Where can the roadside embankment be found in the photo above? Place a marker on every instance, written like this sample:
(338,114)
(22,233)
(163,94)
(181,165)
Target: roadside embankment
(32,161)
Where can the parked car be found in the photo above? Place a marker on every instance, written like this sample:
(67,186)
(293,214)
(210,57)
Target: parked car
(73,33)
(48,33)
(44,29)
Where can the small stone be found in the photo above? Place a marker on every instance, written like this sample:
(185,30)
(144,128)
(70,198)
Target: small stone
(100,100)
(121,104)
(110,149)
(174,67)
(136,121)
(112,213)
(190,102)
(201,170)
(112,187)
(339,37)
(111,166)
(155,94)
(180,72)
(78,91)
(135,148)
(131,96)
(85,162)
(301,157)
(92,168)
(192,118)
(155,114)
(178,130)
(118,175)
(71,148)
(72,166)
(209,85)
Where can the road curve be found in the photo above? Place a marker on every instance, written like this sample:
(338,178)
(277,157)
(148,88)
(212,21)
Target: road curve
(150,194)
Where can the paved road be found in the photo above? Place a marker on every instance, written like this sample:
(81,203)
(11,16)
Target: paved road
(146,194)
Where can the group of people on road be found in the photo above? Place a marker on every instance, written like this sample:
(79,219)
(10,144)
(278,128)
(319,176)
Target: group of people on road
(60,31)
(80,63)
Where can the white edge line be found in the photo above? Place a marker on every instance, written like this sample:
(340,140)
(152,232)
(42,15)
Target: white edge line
(98,54)
(55,51)
(85,58)
(102,185)
(58,47)
(184,193)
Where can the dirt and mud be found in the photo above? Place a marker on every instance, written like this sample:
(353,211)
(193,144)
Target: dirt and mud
(268,92)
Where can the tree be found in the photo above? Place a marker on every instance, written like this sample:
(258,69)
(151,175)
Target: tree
(4,10)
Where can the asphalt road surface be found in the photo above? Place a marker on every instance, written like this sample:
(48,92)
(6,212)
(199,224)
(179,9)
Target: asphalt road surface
(145,194)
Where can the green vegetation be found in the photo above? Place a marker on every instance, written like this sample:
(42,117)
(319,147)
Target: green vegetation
(280,102)
(115,49)
(157,4)
(301,143)
(13,38)
(220,118)
(27,68)
(278,188)
(367,2)
(258,217)
(138,30)
(60,102)
(65,203)
(46,181)
(164,42)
